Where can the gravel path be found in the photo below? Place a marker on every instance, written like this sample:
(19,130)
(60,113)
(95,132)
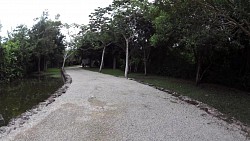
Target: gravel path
(106,108)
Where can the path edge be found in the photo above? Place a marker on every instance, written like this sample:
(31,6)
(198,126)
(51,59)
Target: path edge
(245,129)
(18,121)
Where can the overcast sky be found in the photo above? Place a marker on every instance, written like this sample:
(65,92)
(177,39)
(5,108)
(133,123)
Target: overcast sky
(16,12)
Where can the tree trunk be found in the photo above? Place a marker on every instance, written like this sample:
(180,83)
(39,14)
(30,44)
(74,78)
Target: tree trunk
(126,67)
(45,65)
(103,53)
(114,63)
(136,67)
(64,60)
(145,67)
(129,67)
(38,64)
(145,62)
(197,80)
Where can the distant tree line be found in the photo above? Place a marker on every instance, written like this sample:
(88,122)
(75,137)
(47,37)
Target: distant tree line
(31,50)
(207,41)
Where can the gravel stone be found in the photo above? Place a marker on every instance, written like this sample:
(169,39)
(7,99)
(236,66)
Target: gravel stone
(106,108)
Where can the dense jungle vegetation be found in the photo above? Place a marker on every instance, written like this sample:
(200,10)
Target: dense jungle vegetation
(206,41)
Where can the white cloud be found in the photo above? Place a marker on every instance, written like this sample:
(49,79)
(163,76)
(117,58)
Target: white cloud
(16,12)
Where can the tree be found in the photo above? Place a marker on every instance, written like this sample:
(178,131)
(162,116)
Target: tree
(25,48)
(183,26)
(1,56)
(71,47)
(145,30)
(202,40)
(44,36)
(124,22)
(15,54)
(37,37)
(84,42)
(101,29)
(21,36)
(233,14)
(233,17)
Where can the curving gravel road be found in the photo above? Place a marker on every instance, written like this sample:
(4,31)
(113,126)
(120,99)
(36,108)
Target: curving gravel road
(99,107)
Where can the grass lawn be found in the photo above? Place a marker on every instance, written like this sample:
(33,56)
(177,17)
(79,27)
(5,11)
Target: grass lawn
(116,72)
(53,72)
(232,102)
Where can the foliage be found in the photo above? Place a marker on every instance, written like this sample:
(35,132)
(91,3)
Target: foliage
(28,50)
(46,38)
(202,40)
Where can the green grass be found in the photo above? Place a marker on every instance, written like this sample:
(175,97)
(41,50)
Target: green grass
(232,102)
(53,72)
(117,73)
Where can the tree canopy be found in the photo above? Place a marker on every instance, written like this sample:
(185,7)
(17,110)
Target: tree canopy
(201,40)
(29,50)
(206,41)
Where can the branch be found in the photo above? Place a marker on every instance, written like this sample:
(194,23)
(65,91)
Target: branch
(230,23)
(133,35)
(67,56)
(239,25)
(231,4)
(85,49)
(221,13)
(108,44)
(124,36)
(206,5)
(205,71)
(247,23)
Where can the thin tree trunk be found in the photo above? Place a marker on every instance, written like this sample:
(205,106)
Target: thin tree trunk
(129,68)
(114,63)
(197,80)
(145,62)
(64,60)
(103,53)
(45,64)
(38,64)
(126,67)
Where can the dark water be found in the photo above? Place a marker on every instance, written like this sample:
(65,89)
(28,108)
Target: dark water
(17,97)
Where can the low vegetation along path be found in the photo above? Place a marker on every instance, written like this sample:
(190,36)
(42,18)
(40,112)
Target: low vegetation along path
(103,107)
